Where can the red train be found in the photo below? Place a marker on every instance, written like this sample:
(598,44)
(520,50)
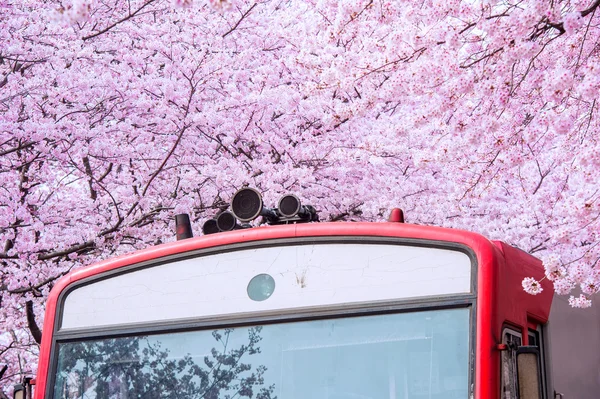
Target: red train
(308,310)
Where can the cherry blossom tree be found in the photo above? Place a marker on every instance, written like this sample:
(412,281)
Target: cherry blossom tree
(117,114)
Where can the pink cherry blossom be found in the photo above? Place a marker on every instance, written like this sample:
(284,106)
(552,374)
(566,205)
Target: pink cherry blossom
(580,302)
(532,286)
(572,21)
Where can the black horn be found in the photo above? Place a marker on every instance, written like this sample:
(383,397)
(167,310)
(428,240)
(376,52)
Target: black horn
(226,221)
(247,205)
(290,207)
(210,227)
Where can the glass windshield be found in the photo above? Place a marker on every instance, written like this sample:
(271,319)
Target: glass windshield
(394,356)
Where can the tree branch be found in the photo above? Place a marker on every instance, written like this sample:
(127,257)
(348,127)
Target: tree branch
(131,15)
(164,162)
(17,148)
(590,9)
(36,287)
(488,55)
(416,54)
(74,248)
(31,323)
(88,171)
(106,173)
(560,26)
(244,15)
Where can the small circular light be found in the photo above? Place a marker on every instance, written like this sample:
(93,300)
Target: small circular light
(261,287)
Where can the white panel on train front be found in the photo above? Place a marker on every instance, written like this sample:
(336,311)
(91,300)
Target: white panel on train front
(297,276)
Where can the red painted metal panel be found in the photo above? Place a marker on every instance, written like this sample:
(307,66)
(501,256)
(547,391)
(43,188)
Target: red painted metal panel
(515,305)
(500,271)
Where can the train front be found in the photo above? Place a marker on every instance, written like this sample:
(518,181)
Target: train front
(295,311)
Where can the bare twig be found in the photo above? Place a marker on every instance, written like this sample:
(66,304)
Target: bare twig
(587,28)
(356,16)
(514,88)
(482,58)
(543,175)
(164,162)
(587,128)
(415,55)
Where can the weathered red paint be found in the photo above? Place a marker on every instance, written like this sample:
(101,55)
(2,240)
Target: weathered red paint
(501,268)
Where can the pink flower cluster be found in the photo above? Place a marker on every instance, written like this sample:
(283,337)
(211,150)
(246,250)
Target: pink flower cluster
(573,21)
(532,286)
(580,302)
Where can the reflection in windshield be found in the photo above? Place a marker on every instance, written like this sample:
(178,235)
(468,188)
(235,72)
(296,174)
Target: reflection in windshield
(147,367)
(393,356)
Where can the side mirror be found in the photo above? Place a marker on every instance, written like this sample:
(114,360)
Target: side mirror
(25,389)
(19,391)
(529,372)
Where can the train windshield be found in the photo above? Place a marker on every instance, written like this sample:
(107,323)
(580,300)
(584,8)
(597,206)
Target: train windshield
(418,354)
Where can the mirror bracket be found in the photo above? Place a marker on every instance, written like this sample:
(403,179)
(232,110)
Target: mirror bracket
(24,390)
